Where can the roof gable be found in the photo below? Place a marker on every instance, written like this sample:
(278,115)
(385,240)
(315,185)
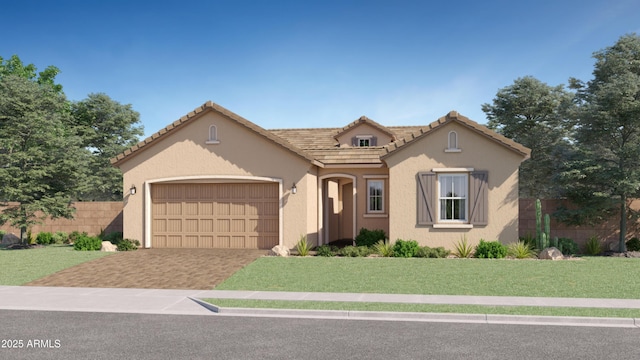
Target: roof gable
(453,116)
(197,113)
(365,120)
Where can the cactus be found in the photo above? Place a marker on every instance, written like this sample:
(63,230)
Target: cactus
(539,224)
(547,227)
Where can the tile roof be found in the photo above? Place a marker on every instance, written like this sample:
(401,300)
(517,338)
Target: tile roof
(319,145)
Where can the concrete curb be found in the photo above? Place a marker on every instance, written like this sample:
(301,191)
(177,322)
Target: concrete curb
(425,317)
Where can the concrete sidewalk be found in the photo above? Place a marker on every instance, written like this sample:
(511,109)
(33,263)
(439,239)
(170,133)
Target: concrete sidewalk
(187,302)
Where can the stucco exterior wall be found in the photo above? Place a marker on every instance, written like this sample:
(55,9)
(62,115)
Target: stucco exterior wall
(478,152)
(240,155)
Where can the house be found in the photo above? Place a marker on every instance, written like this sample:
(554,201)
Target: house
(215,179)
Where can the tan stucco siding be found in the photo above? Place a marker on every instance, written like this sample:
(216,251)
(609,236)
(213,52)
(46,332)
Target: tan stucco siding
(478,153)
(363,130)
(240,155)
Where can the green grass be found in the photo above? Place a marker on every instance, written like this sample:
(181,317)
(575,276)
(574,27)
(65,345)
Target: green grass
(18,267)
(589,277)
(426,308)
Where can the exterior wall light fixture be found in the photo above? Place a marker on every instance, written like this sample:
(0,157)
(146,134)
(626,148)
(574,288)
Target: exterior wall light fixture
(132,191)
(294,189)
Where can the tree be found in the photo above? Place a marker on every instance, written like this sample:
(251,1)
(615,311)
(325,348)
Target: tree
(14,66)
(532,113)
(106,128)
(605,174)
(40,156)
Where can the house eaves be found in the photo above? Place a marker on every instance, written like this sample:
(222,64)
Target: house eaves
(195,114)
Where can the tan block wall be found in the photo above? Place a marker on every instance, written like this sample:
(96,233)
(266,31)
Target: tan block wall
(90,217)
(607,232)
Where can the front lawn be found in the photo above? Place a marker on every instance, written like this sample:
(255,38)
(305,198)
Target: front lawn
(589,277)
(18,267)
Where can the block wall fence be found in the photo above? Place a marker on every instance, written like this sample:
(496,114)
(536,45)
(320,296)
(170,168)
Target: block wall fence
(94,217)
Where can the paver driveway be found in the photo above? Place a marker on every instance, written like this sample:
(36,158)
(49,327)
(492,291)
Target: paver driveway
(199,269)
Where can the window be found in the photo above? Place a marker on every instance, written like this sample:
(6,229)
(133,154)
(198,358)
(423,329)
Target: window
(375,198)
(453,197)
(364,141)
(213,135)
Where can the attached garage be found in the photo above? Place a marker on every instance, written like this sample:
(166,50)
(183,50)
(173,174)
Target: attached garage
(215,215)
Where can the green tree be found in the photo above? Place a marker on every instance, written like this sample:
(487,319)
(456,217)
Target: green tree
(40,155)
(15,66)
(605,173)
(107,128)
(532,113)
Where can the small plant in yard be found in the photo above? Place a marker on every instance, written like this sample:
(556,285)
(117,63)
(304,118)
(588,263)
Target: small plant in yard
(427,252)
(85,242)
(44,238)
(325,250)
(490,250)
(567,246)
(60,237)
(128,245)
(462,248)
(355,251)
(303,247)
(593,246)
(383,248)
(633,244)
(369,237)
(405,248)
(521,250)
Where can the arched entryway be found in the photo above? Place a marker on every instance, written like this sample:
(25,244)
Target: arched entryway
(337,213)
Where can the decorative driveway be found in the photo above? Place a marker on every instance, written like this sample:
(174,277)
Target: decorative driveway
(198,269)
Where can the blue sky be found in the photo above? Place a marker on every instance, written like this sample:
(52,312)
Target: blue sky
(285,64)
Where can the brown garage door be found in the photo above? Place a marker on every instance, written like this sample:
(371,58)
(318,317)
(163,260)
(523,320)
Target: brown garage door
(241,216)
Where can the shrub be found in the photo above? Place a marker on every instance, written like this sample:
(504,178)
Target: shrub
(490,250)
(529,240)
(405,248)
(75,235)
(383,248)
(427,252)
(128,245)
(593,246)
(633,244)
(303,246)
(44,238)
(60,237)
(325,250)
(369,237)
(85,242)
(567,246)
(355,251)
(521,250)
(462,249)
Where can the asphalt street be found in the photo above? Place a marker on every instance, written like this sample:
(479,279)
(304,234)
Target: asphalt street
(85,335)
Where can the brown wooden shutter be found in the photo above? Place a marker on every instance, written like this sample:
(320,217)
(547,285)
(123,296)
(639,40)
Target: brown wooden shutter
(374,141)
(478,198)
(426,196)
(354,141)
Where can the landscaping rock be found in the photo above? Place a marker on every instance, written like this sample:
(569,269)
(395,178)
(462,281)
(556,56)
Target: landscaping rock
(108,247)
(551,253)
(279,250)
(10,239)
